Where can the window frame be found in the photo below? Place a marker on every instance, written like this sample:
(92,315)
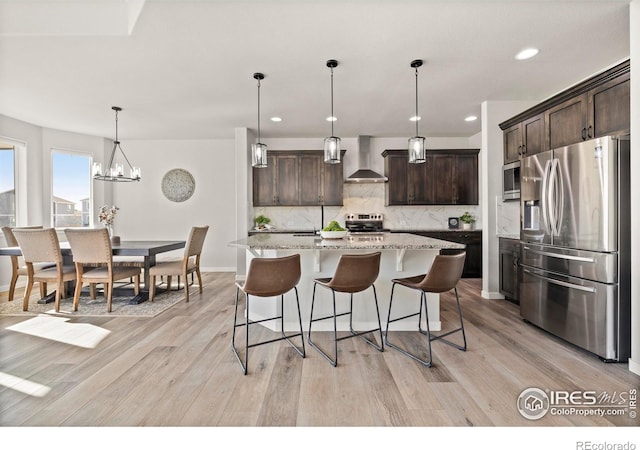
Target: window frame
(80,153)
(12,146)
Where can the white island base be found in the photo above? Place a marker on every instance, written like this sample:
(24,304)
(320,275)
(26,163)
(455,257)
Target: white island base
(403,255)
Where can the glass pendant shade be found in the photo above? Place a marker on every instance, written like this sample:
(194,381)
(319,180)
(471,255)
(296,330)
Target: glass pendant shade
(417,148)
(258,150)
(259,155)
(332,143)
(417,151)
(332,150)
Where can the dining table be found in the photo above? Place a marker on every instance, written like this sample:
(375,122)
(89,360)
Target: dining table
(146,249)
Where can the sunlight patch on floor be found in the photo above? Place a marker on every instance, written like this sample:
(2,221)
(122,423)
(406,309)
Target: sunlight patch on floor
(58,329)
(24,386)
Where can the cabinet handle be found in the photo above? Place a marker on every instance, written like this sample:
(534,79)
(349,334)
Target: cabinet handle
(589,135)
(275,200)
(584,134)
(519,149)
(524,149)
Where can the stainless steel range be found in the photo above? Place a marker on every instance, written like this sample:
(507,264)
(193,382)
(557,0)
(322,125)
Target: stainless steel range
(364,223)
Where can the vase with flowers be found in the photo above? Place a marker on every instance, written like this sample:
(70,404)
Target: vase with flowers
(106,217)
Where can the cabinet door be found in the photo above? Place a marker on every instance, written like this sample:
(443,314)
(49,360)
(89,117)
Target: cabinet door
(420,183)
(533,135)
(567,122)
(288,187)
(333,182)
(610,108)
(466,180)
(396,169)
(310,179)
(512,143)
(264,184)
(443,179)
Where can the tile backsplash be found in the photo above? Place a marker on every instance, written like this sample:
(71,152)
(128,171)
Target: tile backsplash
(366,198)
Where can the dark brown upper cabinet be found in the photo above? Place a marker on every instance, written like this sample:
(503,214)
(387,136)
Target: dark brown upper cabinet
(525,138)
(448,177)
(298,178)
(597,107)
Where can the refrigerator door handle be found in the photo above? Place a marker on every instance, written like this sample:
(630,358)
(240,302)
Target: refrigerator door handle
(552,196)
(561,283)
(560,256)
(559,195)
(544,197)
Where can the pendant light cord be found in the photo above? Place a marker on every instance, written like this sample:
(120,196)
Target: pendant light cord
(332,116)
(417,117)
(258,110)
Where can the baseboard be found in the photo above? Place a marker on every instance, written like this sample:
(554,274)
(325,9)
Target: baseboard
(491,295)
(217,269)
(634,366)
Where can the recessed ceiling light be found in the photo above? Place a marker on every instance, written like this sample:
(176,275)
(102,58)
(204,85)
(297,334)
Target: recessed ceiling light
(276,119)
(527,53)
(414,118)
(331,119)
(470,118)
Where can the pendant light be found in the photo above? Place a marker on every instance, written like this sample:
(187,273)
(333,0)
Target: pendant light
(258,150)
(115,172)
(417,150)
(332,143)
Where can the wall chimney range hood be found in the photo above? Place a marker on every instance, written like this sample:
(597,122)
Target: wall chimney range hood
(364,174)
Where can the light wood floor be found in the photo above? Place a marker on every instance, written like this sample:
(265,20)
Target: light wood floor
(177,369)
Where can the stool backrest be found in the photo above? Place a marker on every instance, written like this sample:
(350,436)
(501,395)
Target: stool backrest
(444,274)
(267,277)
(355,273)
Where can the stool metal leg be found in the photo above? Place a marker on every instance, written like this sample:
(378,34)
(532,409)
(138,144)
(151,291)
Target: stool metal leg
(332,361)
(423,301)
(233,336)
(248,322)
(353,333)
(433,337)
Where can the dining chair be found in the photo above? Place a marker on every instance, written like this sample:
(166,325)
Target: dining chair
(443,276)
(267,277)
(17,267)
(189,263)
(42,246)
(93,247)
(354,273)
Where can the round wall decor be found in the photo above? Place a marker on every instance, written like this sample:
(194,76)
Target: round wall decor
(178,185)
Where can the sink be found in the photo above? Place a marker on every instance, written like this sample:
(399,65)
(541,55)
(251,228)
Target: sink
(306,234)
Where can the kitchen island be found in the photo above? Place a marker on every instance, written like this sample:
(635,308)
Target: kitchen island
(403,255)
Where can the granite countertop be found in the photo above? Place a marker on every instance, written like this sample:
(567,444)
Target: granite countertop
(385,241)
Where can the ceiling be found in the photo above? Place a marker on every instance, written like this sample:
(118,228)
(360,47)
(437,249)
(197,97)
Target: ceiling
(184,69)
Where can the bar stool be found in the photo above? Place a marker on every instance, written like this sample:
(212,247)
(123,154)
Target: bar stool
(355,273)
(268,277)
(444,274)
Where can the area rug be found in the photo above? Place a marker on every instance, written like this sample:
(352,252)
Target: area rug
(120,305)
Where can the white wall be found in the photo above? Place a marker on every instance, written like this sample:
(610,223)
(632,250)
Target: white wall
(145,213)
(634,25)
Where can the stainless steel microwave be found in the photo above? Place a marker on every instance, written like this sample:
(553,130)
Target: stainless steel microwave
(511,181)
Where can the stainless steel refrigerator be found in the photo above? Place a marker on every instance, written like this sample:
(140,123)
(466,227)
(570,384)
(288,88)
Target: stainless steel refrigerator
(575,241)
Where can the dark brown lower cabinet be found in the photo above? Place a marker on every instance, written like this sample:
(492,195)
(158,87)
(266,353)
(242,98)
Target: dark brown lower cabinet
(509,251)
(473,242)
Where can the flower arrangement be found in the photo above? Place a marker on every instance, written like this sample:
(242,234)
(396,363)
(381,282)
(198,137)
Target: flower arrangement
(107,214)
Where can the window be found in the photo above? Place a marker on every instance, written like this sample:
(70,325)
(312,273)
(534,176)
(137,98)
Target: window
(7,186)
(71,189)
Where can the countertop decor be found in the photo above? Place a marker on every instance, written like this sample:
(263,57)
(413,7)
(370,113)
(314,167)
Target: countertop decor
(178,185)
